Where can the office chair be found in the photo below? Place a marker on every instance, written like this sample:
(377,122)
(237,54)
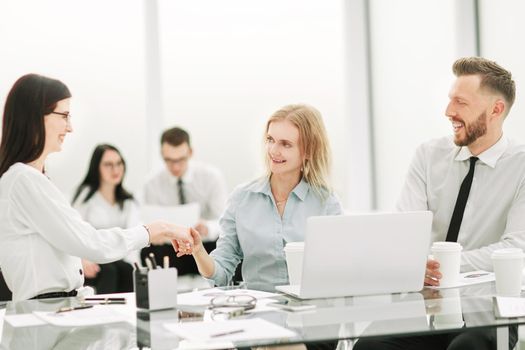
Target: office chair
(237,277)
(5,293)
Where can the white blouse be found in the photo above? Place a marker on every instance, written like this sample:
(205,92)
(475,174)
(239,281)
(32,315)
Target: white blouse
(42,238)
(102,214)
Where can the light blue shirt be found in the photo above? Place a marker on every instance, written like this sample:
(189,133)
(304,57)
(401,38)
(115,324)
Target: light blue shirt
(252,230)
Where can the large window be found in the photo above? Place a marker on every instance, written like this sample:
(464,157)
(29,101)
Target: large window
(413,45)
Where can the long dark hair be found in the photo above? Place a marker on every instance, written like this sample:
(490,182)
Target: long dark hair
(23,132)
(92,179)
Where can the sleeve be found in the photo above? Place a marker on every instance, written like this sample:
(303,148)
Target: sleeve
(333,206)
(81,206)
(414,193)
(43,208)
(513,237)
(148,193)
(228,253)
(132,220)
(145,194)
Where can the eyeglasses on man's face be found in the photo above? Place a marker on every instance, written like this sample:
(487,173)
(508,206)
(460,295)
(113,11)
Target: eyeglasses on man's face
(66,116)
(181,160)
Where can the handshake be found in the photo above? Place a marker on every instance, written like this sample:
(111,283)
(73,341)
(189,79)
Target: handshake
(185,241)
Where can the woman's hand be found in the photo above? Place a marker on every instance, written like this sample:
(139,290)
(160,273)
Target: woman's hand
(90,269)
(161,231)
(184,250)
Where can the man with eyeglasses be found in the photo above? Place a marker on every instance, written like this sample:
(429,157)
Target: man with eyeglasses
(185,181)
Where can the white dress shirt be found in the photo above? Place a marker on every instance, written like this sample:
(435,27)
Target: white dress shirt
(494,215)
(43,238)
(202,183)
(102,214)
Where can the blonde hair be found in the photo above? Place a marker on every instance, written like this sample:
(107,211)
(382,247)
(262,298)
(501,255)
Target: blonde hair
(313,142)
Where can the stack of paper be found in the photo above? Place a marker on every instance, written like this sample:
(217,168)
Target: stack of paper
(229,331)
(468,278)
(184,215)
(99,314)
(510,307)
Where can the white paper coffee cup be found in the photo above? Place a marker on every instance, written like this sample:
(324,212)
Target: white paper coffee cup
(448,254)
(508,267)
(294,252)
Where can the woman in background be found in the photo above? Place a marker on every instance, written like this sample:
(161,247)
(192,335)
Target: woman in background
(42,237)
(265,214)
(104,203)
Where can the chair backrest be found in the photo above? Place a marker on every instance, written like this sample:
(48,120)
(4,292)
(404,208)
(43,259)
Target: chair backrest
(5,293)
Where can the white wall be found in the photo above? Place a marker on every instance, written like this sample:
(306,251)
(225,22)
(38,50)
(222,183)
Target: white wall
(226,66)
(501,27)
(413,48)
(96,48)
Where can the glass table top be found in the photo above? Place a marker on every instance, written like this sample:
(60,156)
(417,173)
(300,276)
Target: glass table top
(423,313)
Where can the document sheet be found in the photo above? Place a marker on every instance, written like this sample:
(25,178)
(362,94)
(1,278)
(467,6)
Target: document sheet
(184,215)
(232,330)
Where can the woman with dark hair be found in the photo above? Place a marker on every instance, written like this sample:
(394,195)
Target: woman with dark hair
(104,203)
(43,237)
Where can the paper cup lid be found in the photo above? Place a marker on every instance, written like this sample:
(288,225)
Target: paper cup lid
(508,253)
(446,247)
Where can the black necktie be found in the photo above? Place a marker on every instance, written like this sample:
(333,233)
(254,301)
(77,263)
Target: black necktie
(182,197)
(461,203)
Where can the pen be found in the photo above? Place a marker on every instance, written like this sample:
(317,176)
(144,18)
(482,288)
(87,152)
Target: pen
(136,266)
(148,263)
(153,260)
(166,262)
(226,333)
(107,302)
(71,308)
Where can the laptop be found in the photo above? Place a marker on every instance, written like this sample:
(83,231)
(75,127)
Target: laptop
(363,254)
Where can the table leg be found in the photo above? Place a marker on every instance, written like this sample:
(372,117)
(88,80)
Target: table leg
(502,338)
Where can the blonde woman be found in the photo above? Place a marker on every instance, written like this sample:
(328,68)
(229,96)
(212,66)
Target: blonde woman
(265,214)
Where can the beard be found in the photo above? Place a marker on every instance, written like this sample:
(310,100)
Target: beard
(473,131)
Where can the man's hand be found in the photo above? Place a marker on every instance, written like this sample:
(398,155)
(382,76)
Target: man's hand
(90,269)
(432,274)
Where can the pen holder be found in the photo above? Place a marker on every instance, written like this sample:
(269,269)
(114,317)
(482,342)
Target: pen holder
(155,289)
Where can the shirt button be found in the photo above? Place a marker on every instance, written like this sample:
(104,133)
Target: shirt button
(80,272)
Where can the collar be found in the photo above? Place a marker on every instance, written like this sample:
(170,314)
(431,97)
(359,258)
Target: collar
(186,178)
(263,186)
(489,156)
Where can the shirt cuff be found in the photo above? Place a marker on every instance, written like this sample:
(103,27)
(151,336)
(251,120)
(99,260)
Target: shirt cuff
(141,237)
